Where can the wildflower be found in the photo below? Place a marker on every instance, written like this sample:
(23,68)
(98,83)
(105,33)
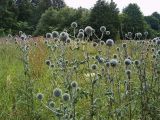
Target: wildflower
(74,84)
(115,56)
(63,36)
(158,41)
(57,92)
(127,61)
(124,45)
(113,62)
(107,32)
(40,96)
(48,35)
(74,25)
(80,35)
(93,66)
(68,40)
(48,62)
(107,64)
(88,30)
(51,104)
(95,44)
(66,97)
(102,29)
(102,42)
(55,34)
(136,62)
(109,42)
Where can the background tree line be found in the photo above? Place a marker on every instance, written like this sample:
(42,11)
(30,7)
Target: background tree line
(38,17)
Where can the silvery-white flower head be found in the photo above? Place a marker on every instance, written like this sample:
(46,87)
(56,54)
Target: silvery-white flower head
(74,25)
(63,36)
(55,34)
(127,61)
(107,32)
(88,30)
(48,35)
(40,96)
(103,29)
(57,92)
(113,62)
(80,35)
(109,42)
(66,97)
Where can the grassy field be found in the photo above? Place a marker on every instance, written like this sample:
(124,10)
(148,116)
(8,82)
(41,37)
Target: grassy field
(78,80)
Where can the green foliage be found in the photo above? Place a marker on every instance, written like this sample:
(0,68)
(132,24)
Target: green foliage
(61,19)
(133,20)
(105,14)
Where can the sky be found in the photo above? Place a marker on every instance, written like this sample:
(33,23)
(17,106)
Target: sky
(147,6)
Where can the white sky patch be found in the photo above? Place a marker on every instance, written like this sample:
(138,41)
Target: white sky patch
(147,6)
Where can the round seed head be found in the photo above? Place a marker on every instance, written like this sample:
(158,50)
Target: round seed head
(102,29)
(40,96)
(55,34)
(127,61)
(48,62)
(107,32)
(48,35)
(63,36)
(57,92)
(74,84)
(88,30)
(66,97)
(74,25)
(80,35)
(93,66)
(109,42)
(113,62)
(51,104)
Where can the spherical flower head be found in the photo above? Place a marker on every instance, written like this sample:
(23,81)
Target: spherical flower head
(139,35)
(114,56)
(40,96)
(48,62)
(127,62)
(95,44)
(57,92)
(109,42)
(74,84)
(102,42)
(154,56)
(51,104)
(88,30)
(113,62)
(107,64)
(80,35)
(118,49)
(124,45)
(137,62)
(55,34)
(153,49)
(63,36)
(158,41)
(48,35)
(93,66)
(74,25)
(102,29)
(145,33)
(68,40)
(107,32)
(128,72)
(66,97)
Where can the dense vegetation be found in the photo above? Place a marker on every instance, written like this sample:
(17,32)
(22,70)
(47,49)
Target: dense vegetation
(37,17)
